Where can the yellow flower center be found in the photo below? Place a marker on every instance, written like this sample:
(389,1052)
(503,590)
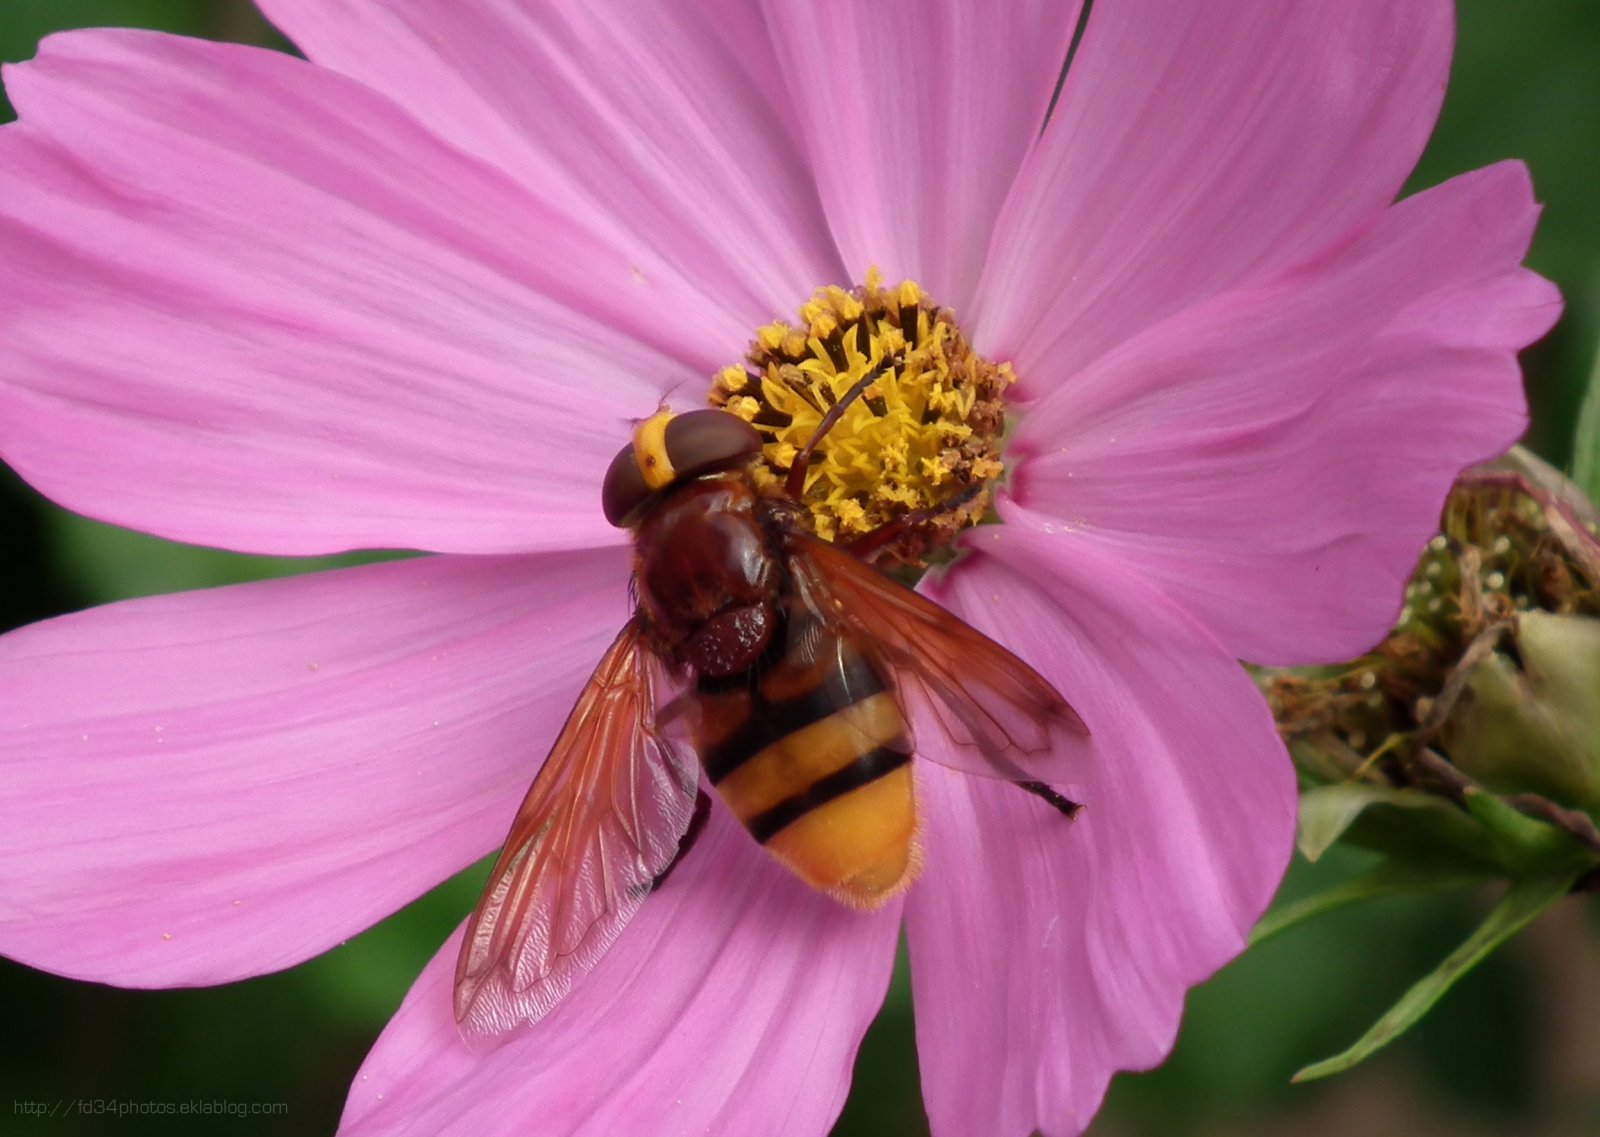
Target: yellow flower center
(921,444)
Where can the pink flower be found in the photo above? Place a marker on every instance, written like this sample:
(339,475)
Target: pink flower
(412,294)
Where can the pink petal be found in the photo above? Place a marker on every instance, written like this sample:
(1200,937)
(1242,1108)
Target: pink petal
(254,304)
(660,124)
(1198,144)
(733,1004)
(1048,954)
(199,787)
(917,115)
(1276,457)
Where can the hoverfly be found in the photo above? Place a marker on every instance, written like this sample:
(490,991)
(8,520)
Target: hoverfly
(797,658)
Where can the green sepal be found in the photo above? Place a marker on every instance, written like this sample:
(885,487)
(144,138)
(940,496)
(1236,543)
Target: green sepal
(1390,878)
(1327,811)
(1526,846)
(1422,828)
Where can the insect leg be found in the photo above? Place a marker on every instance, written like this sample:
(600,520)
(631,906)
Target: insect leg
(1069,808)
(697,822)
(867,544)
(796,482)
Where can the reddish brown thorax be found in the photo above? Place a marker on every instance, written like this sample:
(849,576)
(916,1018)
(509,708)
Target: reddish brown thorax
(708,576)
(707,569)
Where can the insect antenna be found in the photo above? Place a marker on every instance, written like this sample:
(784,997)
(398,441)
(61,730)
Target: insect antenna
(870,543)
(796,481)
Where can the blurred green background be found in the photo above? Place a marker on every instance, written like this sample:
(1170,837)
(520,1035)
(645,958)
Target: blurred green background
(1515,1049)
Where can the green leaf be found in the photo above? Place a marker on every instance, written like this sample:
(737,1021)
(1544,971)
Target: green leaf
(1327,811)
(1586,442)
(110,563)
(1527,846)
(1391,878)
(1524,900)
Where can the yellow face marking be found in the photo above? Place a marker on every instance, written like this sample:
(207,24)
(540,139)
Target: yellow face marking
(650,451)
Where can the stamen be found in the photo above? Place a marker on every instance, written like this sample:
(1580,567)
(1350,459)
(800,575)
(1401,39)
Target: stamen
(921,437)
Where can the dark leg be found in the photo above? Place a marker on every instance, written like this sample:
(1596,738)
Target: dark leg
(796,481)
(1069,808)
(867,544)
(697,823)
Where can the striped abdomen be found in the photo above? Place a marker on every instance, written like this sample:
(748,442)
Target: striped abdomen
(810,752)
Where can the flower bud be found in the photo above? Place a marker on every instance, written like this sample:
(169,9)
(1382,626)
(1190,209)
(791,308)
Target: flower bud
(1489,682)
(1529,721)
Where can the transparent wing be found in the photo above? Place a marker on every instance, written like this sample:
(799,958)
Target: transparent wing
(601,821)
(994,708)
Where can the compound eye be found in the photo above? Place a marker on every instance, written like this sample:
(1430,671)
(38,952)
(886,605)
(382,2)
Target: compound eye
(701,441)
(624,490)
(668,448)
